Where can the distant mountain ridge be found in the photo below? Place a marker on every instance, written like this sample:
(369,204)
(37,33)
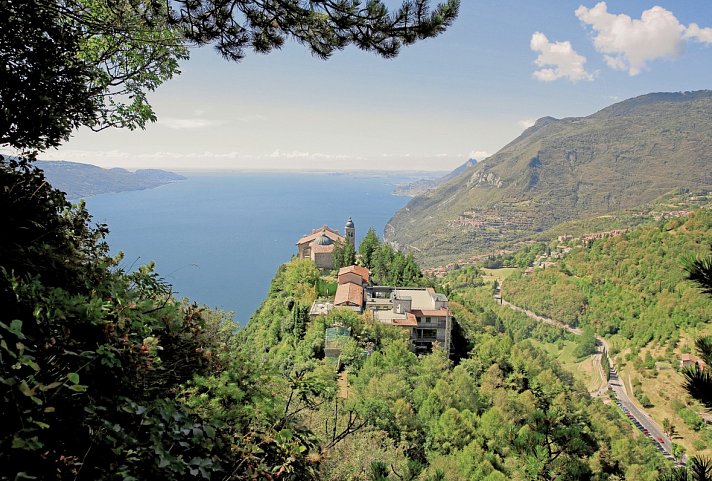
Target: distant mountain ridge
(83,180)
(421,186)
(563,169)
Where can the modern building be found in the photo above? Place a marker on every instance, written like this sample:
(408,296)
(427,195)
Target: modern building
(319,245)
(421,310)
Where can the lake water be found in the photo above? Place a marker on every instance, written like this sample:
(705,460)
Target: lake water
(218,238)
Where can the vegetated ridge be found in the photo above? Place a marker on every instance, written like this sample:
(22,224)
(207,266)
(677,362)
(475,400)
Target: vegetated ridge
(83,180)
(561,170)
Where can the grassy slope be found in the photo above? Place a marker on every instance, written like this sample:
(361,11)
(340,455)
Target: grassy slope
(560,170)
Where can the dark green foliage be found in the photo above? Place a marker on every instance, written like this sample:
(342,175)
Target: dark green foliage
(698,469)
(699,270)
(388,266)
(378,471)
(324,26)
(368,246)
(606,365)
(698,380)
(393,268)
(344,255)
(95,362)
(38,55)
(72,63)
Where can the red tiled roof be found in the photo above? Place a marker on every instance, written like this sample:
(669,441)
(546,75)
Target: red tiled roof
(330,233)
(433,313)
(349,294)
(410,320)
(688,357)
(358,270)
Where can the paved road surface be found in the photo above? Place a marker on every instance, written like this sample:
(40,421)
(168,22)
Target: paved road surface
(615,383)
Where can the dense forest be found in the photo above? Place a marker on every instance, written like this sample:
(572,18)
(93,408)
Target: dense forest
(112,378)
(631,286)
(107,376)
(503,410)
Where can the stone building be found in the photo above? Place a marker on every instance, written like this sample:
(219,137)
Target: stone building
(319,245)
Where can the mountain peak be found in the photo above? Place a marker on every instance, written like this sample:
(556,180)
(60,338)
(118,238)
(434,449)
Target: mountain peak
(559,170)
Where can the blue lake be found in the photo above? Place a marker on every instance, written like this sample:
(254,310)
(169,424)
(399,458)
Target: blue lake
(218,238)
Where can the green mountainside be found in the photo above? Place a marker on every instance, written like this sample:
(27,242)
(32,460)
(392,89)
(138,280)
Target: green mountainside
(561,170)
(83,180)
(632,289)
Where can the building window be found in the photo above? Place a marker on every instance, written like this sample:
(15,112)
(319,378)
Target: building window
(427,319)
(427,333)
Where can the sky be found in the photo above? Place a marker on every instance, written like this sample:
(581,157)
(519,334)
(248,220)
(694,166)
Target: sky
(464,94)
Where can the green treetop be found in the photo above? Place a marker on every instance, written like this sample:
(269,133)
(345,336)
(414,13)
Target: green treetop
(71,63)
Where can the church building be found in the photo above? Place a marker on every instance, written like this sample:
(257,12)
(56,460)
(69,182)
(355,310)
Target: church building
(319,245)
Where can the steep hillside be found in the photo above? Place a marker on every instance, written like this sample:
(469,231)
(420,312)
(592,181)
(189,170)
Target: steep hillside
(559,170)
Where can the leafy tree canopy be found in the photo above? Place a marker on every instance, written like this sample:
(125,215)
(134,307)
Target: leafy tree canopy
(68,63)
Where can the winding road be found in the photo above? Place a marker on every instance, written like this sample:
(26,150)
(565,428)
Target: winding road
(636,414)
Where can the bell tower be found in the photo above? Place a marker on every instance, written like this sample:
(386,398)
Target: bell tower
(350,232)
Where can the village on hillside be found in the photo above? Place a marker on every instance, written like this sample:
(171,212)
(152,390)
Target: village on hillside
(423,312)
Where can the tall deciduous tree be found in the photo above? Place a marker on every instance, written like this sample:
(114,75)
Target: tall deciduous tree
(81,63)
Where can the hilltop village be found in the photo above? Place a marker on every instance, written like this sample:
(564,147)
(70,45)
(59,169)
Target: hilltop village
(421,311)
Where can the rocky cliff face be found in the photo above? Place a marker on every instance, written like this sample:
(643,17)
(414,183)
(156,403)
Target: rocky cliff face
(558,170)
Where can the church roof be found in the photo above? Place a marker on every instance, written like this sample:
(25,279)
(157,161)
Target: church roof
(323,240)
(320,249)
(349,223)
(328,231)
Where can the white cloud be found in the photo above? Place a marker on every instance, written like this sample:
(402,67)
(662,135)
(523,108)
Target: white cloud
(703,35)
(478,154)
(526,123)
(629,44)
(180,124)
(558,60)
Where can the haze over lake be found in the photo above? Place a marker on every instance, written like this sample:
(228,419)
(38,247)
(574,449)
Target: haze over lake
(219,237)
